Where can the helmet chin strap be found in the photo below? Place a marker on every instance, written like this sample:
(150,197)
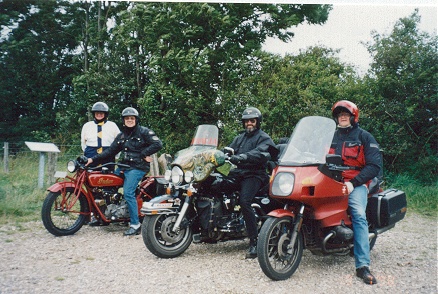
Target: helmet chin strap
(344,127)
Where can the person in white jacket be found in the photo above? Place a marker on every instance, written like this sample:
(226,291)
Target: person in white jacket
(98,134)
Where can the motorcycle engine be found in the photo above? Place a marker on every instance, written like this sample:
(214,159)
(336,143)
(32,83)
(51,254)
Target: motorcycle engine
(117,211)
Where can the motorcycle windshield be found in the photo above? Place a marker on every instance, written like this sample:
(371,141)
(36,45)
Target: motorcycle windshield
(206,135)
(202,156)
(310,142)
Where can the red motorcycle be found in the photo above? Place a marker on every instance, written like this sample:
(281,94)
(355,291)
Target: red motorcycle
(315,216)
(92,191)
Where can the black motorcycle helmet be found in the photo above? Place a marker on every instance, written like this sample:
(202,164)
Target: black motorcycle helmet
(252,112)
(100,107)
(130,111)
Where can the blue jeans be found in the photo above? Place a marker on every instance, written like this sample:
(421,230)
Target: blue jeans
(357,202)
(132,177)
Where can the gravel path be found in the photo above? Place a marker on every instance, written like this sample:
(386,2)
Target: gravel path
(101,260)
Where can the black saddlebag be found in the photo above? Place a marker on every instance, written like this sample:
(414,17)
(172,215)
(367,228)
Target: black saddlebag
(387,207)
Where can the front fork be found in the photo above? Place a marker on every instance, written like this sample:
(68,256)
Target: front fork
(296,229)
(181,215)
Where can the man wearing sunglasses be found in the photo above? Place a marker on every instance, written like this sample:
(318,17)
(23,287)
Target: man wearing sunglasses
(250,150)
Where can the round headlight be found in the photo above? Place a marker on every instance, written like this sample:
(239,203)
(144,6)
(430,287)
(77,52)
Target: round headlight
(283,184)
(167,175)
(71,166)
(177,175)
(188,176)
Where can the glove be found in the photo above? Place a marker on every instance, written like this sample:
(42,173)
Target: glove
(236,159)
(228,151)
(350,187)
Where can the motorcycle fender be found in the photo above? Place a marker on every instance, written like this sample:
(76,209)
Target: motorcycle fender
(57,187)
(160,205)
(281,213)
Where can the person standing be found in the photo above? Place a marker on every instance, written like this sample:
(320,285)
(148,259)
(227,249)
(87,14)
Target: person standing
(250,148)
(136,144)
(359,149)
(98,134)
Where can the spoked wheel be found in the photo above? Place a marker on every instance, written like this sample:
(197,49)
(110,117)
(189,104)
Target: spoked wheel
(64,213)
(161,240)
(277,261)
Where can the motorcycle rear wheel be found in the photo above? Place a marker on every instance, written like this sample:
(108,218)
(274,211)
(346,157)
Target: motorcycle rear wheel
(161,240)
(60,220)
(274,258)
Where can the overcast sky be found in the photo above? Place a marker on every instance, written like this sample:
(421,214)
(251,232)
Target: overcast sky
(349,24)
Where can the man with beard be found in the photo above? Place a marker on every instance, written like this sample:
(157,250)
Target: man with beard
(136,144)
(250,149)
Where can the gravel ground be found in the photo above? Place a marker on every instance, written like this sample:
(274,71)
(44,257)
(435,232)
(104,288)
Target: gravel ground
(101,260)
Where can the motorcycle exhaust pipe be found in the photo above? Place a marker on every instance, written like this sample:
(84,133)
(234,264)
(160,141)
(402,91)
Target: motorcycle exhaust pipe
(340,250)
(380,231)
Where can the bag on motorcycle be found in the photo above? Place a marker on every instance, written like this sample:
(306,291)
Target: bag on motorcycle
(387,207)
(208,211)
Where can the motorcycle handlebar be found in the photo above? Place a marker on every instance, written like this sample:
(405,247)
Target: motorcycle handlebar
(340,167)
(83,160)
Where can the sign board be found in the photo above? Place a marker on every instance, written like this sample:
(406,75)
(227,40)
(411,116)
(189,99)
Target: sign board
(42,147)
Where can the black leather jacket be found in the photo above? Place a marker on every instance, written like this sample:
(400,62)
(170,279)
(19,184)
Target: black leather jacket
(253,145)
(134,147)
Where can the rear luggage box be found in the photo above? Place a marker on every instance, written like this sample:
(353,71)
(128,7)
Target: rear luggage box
(387,207)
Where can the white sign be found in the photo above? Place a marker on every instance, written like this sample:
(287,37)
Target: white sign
(42,147)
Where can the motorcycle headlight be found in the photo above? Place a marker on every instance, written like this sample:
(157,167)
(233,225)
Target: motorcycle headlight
(167,175)
(71,166)
(177,175)
(188,176)
(283,184)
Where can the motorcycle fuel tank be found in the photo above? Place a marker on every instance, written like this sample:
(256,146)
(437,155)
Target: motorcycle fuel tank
(105,180)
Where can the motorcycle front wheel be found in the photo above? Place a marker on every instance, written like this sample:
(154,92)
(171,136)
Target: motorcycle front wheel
(64,213)
(161,240)
(276,260)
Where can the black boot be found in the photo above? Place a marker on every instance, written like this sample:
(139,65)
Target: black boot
(365,274)
(252,250)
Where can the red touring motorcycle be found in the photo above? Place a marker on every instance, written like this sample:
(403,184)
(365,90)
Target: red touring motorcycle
(315,215)
(91,192)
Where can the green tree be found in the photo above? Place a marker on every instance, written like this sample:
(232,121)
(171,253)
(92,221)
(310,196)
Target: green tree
(36,67)
(290,88)
(192,51)
(402,97)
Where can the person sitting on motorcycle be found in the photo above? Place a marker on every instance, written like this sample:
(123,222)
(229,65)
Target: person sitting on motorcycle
(136,144)
(360,150)
(250,174)
(97,135)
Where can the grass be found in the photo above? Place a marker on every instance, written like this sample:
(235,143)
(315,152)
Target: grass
(21,199)
(421,198)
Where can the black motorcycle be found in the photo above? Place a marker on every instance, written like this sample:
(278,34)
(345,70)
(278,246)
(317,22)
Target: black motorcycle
(193,210)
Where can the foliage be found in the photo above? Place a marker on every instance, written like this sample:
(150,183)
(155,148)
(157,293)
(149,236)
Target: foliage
(36,66)
(183,64)
(194,52)
(402,98)
(290,88)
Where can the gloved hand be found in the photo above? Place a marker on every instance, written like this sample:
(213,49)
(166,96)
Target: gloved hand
(236,159)
(350,187)
(228,151)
